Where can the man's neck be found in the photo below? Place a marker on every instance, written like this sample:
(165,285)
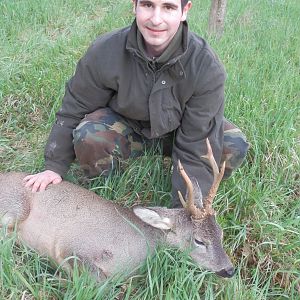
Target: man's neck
(152,52)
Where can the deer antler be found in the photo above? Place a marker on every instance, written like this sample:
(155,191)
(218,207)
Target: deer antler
(189,204)
(218,175)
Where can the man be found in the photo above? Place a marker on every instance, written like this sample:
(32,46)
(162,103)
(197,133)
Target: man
(153,83)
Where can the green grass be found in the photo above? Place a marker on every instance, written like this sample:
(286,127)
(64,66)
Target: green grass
(258,207)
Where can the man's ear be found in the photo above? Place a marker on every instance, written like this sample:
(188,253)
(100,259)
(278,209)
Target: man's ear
(134,3)
(185,10)
(153,218)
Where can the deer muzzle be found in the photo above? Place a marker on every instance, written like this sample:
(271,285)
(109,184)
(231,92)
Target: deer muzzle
(226,273)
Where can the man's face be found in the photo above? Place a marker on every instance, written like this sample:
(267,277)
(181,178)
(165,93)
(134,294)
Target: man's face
(158,21)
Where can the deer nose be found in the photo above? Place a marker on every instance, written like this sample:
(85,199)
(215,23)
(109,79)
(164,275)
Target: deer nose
(226,272)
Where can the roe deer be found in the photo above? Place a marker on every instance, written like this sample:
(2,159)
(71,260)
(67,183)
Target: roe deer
(67,220)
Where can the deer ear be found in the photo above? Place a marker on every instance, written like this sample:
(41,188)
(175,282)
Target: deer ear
(152,218)
(197,193)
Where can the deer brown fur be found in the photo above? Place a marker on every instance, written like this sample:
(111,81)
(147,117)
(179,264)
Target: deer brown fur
(67,220)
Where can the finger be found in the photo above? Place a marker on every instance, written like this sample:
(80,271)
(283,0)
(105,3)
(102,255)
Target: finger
(57,181)
(28,177)
(43,185)
(30,182)
(36,185)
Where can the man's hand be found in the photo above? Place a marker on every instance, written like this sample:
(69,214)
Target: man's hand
(39,181)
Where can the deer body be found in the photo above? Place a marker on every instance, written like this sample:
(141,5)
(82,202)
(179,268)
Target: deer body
(67,220)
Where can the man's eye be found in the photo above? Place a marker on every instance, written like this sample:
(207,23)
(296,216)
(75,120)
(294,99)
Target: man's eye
(169,7)
(199,243)
(148,5)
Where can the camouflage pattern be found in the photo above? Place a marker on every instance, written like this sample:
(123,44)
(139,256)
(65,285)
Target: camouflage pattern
(235,147)
(103,138)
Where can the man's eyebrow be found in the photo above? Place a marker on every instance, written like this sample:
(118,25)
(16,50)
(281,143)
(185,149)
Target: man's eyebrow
(145,1)
(164,3)
(170,4)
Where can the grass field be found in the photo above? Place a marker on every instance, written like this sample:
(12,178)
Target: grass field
(258,208)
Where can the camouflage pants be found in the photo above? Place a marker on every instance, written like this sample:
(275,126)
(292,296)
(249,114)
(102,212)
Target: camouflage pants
(104,137)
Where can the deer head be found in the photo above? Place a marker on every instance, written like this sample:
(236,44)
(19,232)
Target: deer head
(194,227)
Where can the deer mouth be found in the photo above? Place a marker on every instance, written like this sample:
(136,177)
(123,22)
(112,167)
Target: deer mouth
(226,273)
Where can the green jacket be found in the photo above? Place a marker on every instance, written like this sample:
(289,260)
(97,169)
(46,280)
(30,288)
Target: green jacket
(185,94)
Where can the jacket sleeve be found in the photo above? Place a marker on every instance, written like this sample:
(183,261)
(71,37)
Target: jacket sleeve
(85,92)
(202,118)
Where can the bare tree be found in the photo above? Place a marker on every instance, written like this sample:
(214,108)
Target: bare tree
(217,17)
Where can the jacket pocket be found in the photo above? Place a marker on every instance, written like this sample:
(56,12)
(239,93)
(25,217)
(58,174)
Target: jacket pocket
(172,109)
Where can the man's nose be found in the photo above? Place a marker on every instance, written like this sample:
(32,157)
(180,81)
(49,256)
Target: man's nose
(156,16)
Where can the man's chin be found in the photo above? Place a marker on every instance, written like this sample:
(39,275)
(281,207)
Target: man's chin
(156,43)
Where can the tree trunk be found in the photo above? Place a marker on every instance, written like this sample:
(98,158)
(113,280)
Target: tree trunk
(217,17)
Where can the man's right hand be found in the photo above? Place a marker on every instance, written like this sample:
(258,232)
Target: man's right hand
(39,182)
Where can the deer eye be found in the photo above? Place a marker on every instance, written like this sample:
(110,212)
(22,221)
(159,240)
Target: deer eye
(199,243)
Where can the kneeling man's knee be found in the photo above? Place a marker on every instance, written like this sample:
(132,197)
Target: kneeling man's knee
(93,148)
(235,149)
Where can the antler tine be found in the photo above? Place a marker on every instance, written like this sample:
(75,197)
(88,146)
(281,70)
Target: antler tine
(218,175)
(189,204)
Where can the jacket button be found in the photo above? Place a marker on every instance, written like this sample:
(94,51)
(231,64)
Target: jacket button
(163,82)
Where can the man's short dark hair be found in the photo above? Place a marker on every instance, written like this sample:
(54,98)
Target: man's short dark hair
(183,3)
